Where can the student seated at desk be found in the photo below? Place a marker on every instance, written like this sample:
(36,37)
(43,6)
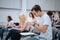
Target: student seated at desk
(9,25)
(10,22)
(29,20)
(58,21)
(44,25)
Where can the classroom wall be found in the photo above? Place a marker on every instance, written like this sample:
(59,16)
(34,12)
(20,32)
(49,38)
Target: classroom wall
(57,5)
(14,7)
(45,4)
(9,8)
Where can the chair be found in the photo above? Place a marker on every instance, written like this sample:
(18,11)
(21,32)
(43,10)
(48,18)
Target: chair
(54,33)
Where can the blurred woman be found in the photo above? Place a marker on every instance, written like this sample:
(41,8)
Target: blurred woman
(30,20)
(22,23)
(10,22)
(9,25)
(50,13)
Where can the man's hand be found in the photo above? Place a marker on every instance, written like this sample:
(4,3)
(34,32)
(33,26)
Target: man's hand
(35,24)
(42,29)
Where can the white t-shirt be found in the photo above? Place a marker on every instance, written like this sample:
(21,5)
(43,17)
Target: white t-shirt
(29,19)
(45,20)
(11,23)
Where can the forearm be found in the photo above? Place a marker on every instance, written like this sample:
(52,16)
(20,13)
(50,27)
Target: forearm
(42,29)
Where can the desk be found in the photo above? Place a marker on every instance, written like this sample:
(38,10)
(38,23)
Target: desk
(29,34)
(57,26)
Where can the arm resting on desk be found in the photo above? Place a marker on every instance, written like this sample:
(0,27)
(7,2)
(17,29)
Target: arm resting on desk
(42,29)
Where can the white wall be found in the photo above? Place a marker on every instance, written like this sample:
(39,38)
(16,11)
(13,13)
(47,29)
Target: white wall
(57,5)
(14,7)
(53,5)
(10,4)
(10,8)
(45,4)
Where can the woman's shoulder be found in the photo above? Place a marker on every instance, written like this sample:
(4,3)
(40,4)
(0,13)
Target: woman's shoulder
(11,21)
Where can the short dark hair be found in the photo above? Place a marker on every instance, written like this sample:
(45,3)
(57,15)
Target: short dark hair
(36,8)
(50,13)
(59,12)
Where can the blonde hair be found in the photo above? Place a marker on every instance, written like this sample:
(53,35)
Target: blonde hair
(22,18)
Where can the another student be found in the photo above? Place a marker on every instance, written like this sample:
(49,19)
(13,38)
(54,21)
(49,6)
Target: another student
(58,21)
(50,14)
(10,22)
(29,20)
(44,25)
(9,25)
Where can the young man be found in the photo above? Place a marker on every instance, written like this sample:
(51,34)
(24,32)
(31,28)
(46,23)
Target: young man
(58,18)
(44,25)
